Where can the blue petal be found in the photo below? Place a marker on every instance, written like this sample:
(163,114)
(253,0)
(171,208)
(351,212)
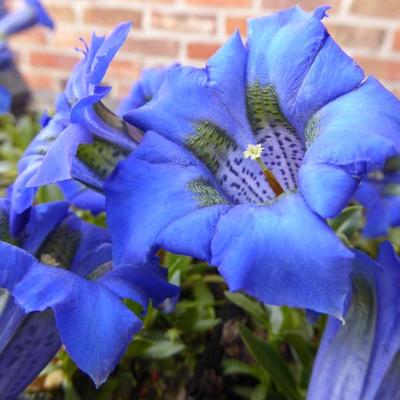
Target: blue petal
(382,210)
(42,16)
(106,52)
(94,247)
(144,89)
(318,70)
(156,174)
(192,234)
(332,74)
(20,20)
(15,263)
(43,219)
(56,165)
(352,133)
(93,323)
(359,360)
(327,188)
(283,254)
(341,365)
(31,344)
(5,100)
(82,197)
(140,284)
(29,164)
(189,96)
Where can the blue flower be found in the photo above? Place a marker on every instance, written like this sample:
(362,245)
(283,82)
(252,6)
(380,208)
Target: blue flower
(360,359)
(311,126)
(32,14)
(5,100)
(84,140)
(144,89)
(380,195)
(62,289)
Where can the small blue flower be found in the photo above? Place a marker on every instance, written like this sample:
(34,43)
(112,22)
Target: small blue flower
(243,161)
(360,359)
(84,140)
(61,289)
(379,193)
(32,14)
(144,89)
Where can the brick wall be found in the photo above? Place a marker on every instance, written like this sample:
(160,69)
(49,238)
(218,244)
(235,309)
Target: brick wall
(190,31)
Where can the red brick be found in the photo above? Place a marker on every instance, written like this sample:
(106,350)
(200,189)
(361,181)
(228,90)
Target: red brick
(68,40)
(156,47)
(57,61)
(180,22)
(202,50)
(220,3)
(396,44)
(112,16)
(305,4)
(376,8)
(234,23)
(40,81)
(62,13)
(33,36)
(126,69)
(356,36)
(381,68)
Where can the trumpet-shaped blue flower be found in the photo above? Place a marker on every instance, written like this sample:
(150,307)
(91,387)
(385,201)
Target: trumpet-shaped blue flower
(360,359)
(379,193)
(61,289)
(144,89)
(84,140)
(242,161)
(32,14)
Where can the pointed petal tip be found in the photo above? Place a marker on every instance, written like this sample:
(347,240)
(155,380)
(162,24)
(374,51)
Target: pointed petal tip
(321,12)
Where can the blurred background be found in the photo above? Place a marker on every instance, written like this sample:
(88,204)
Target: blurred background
(190,31)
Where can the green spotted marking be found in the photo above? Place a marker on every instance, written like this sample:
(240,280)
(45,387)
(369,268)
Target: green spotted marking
(312,131)
(101,156)
(5,229)
(210,143)
(263,107)
(205,194)
(60,247)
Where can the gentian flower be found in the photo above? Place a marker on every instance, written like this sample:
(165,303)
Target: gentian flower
(5,100)
(244,159)
(32,14)
(61,289)
(55,155)
(360,359)
(144,89)
(379,193)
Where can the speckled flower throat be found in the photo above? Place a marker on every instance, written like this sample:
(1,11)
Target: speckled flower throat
(241,178)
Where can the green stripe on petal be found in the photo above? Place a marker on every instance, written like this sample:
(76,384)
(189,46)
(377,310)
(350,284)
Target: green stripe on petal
(205,193)
(60,247)
(263,107)
(101,156)
(209,143)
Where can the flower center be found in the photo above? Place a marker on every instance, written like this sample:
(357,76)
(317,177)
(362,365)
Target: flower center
(254,153)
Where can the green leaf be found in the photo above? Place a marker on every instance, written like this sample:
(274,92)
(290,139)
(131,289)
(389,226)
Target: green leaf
(349,221)
(251,306)
(267,357)
(163,349)
(232,367)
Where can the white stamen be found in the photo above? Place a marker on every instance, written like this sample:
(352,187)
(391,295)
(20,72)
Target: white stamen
(253,151)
